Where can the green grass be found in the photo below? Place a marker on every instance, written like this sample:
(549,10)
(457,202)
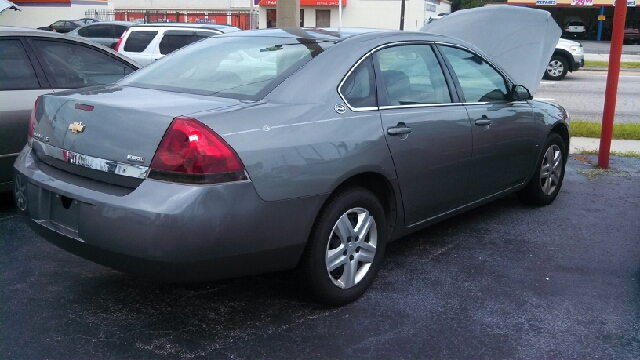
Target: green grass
(592,130)
(633,154)
(605,64)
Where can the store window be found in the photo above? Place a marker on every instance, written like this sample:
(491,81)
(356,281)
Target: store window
(323,18)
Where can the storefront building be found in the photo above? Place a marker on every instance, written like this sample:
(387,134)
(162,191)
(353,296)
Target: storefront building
(384,14)
(594,14)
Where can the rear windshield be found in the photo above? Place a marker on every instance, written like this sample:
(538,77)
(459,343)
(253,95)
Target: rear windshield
(139,40)
(243,68)
(576,23)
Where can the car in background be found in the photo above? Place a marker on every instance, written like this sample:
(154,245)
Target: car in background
(313,155)
(149,42)
(574,28)
(62,26)
(87,21)
(567,56)
(107,33)
(632,35)
(34,62)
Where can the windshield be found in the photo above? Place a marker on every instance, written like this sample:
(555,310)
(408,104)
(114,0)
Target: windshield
(243,68)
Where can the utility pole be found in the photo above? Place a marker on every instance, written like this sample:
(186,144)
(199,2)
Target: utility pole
(288,13)
(402,16)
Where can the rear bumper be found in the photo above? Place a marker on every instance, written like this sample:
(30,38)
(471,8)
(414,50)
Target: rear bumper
(166,231)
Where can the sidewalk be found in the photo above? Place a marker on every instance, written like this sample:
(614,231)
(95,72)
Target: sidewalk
(605,57)
(579,144)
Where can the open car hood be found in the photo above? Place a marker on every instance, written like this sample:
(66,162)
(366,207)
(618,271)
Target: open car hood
(4,5)
(520,40)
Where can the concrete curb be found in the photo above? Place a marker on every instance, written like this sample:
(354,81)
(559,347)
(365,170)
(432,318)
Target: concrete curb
(581,144)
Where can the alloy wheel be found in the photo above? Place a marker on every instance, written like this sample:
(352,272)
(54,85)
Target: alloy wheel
(351,248)
(551,169)
(555,68)
(20,189)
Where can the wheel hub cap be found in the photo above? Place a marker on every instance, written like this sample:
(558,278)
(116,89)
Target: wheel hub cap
(351,248)
(551,170)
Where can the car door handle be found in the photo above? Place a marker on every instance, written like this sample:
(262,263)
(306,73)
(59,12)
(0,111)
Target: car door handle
(483,122)
(399,129)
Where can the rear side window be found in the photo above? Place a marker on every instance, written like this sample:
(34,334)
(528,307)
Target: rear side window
(16,72)
(359,88)
(99,31)
(173,41)
(119,30)
(72,65)
(139,40)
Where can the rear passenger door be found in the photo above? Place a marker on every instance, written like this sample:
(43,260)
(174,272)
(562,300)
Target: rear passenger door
(427,130)
(504,146)
(21,82)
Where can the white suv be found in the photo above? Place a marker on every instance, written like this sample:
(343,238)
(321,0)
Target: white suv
(568,56)
(147,43)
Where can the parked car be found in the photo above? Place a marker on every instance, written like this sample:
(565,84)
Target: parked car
(149,42)
(86,21)
(568,56)
(107,33)
(34,62)
(631,35)
(574,29)
(62,26)
(184,171)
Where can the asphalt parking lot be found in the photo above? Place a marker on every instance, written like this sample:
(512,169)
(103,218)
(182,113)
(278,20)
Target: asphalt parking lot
(502,281)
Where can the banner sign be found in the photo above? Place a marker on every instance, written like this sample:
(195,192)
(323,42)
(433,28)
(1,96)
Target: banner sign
(582,2)
(306,2)
(546,2)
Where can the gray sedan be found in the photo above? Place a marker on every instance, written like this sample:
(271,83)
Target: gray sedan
(276,149)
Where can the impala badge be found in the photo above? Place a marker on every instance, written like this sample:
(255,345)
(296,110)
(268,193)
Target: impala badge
(76,127)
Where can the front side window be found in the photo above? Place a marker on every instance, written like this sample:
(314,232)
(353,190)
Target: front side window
(412,75)
(71,65)
(236,67)
(16,71)
(479,81)
(359,88)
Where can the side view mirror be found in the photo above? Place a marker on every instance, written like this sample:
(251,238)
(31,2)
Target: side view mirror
(519,93)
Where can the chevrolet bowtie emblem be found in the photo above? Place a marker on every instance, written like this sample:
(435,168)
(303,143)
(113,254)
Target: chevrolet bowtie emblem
(76,127)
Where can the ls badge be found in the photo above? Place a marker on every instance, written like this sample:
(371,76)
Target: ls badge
(76,127)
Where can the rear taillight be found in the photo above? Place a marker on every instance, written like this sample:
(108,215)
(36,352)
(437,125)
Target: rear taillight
(32,123)
(190,152)
(120,40)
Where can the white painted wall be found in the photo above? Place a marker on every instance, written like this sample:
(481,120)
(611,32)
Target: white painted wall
(181,4)
(37,16)
(381,14)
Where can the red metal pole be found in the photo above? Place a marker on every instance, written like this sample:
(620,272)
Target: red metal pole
(619,18)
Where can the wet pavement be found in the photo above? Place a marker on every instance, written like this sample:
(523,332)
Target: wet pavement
(502,281)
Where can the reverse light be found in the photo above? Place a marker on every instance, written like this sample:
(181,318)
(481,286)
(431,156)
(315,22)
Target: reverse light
(32,123)
(190,152)
(120,40)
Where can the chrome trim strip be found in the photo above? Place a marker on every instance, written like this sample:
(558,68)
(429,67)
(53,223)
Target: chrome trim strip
(94,163)
(463,206)
(418,106)
(9,155)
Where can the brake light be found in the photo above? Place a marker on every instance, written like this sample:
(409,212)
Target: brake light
(32,123)
(120,40)
(190,152)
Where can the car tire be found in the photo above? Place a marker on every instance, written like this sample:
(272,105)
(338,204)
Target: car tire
(556,69)
(338,264)
(546,182)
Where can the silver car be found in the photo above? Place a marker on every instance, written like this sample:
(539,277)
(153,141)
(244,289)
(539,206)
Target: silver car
(276,149)
(106,33)
(35,62)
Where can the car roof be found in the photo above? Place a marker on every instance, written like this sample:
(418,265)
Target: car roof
(219,27)
(318,34)
(117,22)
